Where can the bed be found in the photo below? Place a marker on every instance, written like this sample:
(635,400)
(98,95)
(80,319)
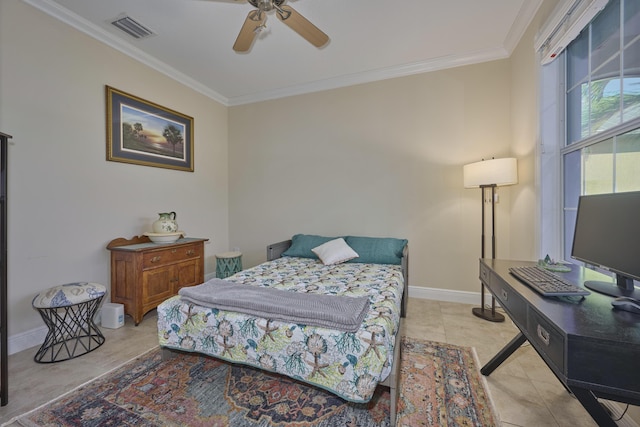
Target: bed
(348,364)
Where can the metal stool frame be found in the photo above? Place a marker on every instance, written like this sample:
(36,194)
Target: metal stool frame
(72,331)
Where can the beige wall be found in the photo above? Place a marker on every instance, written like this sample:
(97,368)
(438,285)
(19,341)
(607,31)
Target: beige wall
(379,159)
(66,202)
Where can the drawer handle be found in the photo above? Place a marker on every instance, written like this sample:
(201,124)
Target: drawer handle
(191,252)
(175,279)
(173,251)
(543,334)
(505,295)
(155,259)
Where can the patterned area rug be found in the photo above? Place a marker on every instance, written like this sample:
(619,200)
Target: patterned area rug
(441,386)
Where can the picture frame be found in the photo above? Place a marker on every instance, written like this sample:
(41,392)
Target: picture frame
(144,133)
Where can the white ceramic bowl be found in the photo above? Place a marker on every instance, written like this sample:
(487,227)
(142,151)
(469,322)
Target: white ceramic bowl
(164,237)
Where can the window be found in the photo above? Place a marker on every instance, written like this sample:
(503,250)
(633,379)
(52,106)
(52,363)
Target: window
(601,153)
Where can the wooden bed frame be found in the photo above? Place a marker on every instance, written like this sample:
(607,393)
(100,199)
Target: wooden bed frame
(275,251)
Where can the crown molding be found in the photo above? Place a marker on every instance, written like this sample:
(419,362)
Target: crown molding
(79,23)
(525,17)
(436,64)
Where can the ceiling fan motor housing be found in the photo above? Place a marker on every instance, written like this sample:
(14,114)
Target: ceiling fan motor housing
(266,5)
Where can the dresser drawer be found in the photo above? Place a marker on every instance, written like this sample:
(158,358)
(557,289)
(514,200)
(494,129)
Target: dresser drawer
(170,255)
(546,339)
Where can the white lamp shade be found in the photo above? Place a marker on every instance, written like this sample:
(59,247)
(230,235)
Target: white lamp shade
(491,172)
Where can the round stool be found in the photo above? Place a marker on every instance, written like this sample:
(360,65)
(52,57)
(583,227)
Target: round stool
(228,263)
(68,312)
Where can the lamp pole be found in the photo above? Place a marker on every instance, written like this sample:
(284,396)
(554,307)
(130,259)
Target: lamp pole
(492,315)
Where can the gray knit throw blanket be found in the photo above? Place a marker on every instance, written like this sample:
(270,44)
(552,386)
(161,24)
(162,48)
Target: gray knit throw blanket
(338,312)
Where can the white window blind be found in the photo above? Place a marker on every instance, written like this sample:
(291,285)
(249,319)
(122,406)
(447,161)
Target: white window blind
(567,20)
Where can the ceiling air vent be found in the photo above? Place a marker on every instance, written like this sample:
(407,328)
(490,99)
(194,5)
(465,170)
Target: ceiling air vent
(132,27)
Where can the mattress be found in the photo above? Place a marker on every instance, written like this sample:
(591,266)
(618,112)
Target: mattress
(348,364)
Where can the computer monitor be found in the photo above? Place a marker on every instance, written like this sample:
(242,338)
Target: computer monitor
(607,236)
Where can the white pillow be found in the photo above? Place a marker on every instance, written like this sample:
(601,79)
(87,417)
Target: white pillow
(335,252)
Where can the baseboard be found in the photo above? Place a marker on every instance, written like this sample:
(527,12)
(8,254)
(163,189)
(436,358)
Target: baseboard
(24,340)
(35,337)
(463,297)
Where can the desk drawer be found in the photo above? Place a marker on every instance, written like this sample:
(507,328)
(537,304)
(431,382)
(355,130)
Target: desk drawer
(183,253)
(485,275)
(511,301)
(546,339)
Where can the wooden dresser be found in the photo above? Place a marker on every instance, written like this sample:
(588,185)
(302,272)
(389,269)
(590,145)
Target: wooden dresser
(143,274)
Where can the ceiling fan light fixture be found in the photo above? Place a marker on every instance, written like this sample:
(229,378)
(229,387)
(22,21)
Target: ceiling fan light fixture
(259,16)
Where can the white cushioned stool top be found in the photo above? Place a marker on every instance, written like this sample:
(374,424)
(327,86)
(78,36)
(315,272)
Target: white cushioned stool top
(68,294)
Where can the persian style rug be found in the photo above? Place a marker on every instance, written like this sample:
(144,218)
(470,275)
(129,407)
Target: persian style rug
(440,386)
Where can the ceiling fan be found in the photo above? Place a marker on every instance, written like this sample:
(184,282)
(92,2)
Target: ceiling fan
(256,22)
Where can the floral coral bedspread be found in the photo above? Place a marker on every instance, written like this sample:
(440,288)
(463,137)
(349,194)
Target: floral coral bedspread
(345,363)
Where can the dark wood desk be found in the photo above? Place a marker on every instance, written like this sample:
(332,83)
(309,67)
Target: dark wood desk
(592,349)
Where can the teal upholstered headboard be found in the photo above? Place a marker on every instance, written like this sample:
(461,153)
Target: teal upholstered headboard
(275,250)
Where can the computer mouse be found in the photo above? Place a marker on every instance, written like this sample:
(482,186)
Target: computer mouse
(626,304)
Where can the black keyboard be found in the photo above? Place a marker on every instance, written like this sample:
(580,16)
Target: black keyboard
(545,282)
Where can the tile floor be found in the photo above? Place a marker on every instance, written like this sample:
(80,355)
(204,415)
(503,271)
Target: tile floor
(524,391)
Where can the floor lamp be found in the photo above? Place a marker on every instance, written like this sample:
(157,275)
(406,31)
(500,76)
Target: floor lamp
(490,174)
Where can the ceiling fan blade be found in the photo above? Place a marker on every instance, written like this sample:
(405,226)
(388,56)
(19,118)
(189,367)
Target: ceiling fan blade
(249,31)
(302,26)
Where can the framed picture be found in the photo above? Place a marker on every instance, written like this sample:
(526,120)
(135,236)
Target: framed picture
(144,133)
